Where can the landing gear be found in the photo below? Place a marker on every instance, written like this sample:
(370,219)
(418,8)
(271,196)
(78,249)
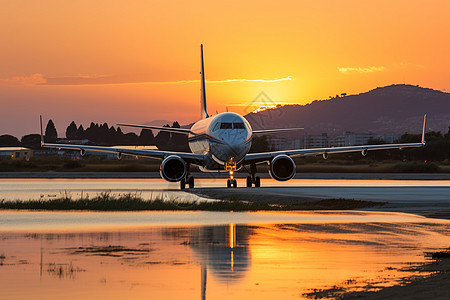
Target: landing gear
(231,167)
(231,183)
(253,180)
(191,182)
(249,181)
(256,180)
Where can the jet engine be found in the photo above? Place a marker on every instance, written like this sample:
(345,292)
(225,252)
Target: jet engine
(282,168)
(173,168)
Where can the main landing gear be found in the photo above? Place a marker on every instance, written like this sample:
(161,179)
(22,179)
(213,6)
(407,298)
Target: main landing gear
(252,179)
(189,180)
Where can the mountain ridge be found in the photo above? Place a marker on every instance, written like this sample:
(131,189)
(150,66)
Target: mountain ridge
(392,109)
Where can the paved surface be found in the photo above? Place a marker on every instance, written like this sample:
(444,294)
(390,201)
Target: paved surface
(407,192)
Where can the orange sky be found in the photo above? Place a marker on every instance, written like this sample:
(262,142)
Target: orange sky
(99,60)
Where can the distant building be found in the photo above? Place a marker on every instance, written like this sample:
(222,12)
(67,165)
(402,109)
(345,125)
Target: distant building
(15,153)
(278,144)
(315,141)
(353,139)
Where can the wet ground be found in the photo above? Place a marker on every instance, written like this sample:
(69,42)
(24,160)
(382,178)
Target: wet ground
(208,255)
(213,255)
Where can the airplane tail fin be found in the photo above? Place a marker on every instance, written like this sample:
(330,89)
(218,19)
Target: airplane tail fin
(204,112)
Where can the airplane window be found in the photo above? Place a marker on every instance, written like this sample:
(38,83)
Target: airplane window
(226,125)
(216,126)
(238,126)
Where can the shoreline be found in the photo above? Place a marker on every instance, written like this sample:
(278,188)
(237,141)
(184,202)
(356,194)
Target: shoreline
(431,283)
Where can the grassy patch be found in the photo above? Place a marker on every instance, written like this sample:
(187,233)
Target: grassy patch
(133,202)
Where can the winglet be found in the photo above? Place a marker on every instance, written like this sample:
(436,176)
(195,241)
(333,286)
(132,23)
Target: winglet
(42,135)
(423,129)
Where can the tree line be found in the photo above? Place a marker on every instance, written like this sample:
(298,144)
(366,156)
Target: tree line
(101,134)
(437,146)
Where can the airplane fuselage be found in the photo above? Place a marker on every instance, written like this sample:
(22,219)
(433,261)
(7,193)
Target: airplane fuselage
(223,138)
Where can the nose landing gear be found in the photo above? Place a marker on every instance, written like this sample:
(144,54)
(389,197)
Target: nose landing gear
(231,167)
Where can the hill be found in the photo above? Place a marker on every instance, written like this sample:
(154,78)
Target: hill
(391,109)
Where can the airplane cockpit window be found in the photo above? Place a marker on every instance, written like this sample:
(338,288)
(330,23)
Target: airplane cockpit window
(226,125)
(238,125)
(216,126)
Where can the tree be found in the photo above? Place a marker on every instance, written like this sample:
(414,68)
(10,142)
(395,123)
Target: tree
(80,132)
(50,131)
(178,141)
(71,131)
(162,139)
(32,141)
(146,137)
(7,140)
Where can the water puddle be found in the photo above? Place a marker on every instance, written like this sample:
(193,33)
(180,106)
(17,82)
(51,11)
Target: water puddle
(208,255)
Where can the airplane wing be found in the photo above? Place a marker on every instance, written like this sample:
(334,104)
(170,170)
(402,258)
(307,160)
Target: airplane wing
(169,129)
(275,130)
(192,158)
(268,156)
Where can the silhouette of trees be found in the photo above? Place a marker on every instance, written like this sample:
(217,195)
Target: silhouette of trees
(162,139)
(146,137)
(32,141)
(50,132)
(7,140)
(80,133)
(71,131)
(179,141)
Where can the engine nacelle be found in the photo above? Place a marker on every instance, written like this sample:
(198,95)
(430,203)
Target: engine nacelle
(173,168)
(282,168)
(364,152)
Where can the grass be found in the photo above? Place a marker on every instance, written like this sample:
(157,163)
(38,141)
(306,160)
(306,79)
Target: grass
(132,202)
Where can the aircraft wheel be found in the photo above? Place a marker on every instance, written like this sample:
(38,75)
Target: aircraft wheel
(228,183)
(182,184)
(257,181)
(191,182)
(249,181)
(234,183)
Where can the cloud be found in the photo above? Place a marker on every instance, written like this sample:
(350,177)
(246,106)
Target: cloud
(24,80)
(95,79)
(109,80)
(252,80)
(361,69)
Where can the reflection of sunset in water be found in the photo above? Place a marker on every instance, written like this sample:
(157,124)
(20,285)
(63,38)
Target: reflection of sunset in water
(212,262)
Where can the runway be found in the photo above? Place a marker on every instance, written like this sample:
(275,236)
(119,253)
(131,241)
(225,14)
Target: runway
(421,193)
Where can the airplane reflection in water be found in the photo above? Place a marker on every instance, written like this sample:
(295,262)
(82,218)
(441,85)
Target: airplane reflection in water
(217,250)
(216,262)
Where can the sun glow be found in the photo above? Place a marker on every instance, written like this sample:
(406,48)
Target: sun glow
(263,108)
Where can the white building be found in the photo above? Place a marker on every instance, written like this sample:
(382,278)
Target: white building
(15,153)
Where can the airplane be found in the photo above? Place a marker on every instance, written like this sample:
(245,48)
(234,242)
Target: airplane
(221,143)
